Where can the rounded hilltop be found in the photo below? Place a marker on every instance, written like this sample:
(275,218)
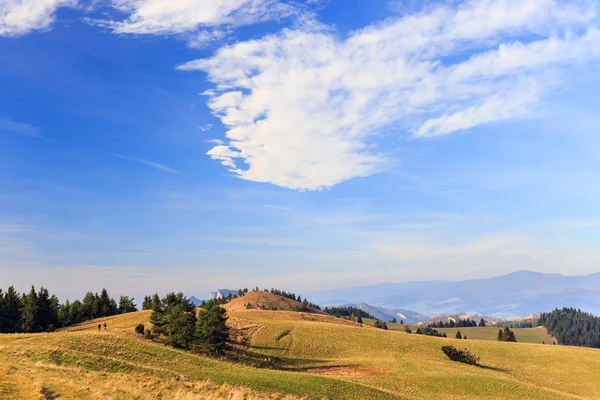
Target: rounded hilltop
(267,301)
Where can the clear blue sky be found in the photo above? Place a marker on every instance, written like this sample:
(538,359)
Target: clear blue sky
(155,145)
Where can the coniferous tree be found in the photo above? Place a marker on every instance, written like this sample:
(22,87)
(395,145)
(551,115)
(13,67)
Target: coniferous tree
(10,311)
(47,311)
(212,332)
(126,305)
(359,319)
(458,335)
(29,311)
(64,314)
(180,326)
(482,322)
(500,335)
(147,303)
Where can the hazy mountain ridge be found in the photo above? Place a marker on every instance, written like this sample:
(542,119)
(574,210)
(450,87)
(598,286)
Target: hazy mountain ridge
(508,296)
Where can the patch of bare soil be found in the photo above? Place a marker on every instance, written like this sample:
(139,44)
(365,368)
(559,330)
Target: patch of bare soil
(347,370)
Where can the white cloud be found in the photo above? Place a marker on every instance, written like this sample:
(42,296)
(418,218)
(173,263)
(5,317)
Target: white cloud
(303,107)
(202,19)
(19,17)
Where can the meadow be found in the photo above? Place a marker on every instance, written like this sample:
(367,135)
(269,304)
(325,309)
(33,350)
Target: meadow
(286,355)
(524,335)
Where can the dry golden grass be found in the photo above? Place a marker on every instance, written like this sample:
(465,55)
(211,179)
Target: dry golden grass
(302,356)
(261,300)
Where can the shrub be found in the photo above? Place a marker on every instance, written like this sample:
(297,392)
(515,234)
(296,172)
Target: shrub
(139,329)
(463,356)
(148,334)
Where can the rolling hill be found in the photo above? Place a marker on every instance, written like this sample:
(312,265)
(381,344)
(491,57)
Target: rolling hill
(507,296)
(286,355)
(263,300)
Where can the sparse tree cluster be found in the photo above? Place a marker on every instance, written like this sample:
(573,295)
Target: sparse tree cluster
(176,324)
(506,335)
(381,325)
(39,311)
(572,327)
(428,331)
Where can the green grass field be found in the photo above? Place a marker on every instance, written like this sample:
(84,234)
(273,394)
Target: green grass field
(305,355)
(523,335)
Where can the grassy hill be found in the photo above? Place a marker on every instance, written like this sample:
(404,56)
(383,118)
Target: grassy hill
(302,355)
(262,300)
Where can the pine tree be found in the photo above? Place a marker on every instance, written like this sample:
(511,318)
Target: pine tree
(126,305)
(212,332)
(147,303)
(10,322)
(401,322)
(359,319)
(482,322)
(180,326)
(47,311)
(29,311)
(500,335)
(458,335)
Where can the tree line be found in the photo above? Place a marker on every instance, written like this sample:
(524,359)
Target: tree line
(461,323)
(572,327)
(40,311)
(347,311)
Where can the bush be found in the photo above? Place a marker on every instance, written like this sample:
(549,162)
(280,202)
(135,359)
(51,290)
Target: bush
(463,356)
(148,334)
(139,329)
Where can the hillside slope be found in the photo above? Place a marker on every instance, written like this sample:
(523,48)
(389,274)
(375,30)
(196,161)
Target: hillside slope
(83,362)
(302,355)
(262,300)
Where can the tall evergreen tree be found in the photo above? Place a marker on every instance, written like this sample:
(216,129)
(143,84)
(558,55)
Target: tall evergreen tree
(47,311)
(126,305)
(147,303)
(212,331)
(29,311)
(10,307)
(458,335)
(180,326)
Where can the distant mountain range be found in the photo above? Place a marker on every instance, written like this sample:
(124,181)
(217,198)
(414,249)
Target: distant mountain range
(507,296)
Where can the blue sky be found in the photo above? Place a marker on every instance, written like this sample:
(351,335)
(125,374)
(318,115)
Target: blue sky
(154,145)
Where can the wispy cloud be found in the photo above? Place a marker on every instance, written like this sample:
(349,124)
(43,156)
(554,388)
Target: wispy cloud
(304,108)
(275,207)
(155,165)
(8,125)
(205,127)
(199,21)
(19,17)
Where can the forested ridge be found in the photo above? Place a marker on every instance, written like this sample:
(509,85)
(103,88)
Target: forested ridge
(40,311)
(572,327)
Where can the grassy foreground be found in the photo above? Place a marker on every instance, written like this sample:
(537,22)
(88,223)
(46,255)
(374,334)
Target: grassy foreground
(309,356)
